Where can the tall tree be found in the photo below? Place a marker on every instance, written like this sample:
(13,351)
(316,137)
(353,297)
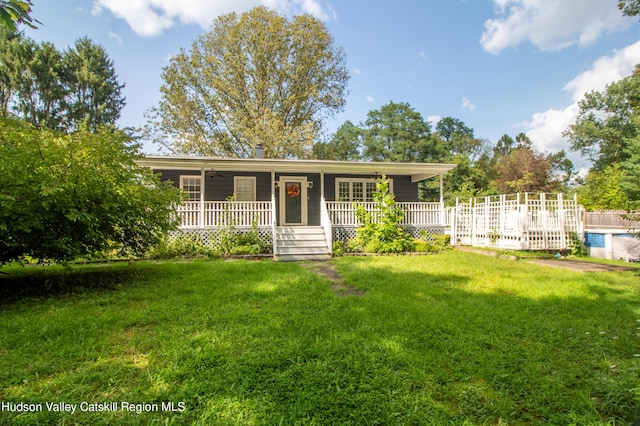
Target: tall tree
(603,190)
(524,169)
(607,131)
(254,78)
(57,90)
(458,138)
(607,121)
(41,89)
(345,144)
(13,12)
(94,94)
(396,132)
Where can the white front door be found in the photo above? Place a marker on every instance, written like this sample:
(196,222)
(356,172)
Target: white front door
(293,200)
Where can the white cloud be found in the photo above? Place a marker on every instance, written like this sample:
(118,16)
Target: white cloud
(434,119)
(115,36)
(356,71)
(152,17)
(545,128)
(370,98)
(468,105)
(422,55)
(550,25)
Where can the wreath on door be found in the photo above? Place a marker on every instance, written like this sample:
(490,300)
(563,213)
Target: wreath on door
(293,190)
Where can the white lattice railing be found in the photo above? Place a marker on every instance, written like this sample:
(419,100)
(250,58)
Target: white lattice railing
(518,221)
(196,214)
(344,213)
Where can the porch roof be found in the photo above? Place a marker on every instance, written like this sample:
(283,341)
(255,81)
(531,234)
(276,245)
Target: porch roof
(417,171)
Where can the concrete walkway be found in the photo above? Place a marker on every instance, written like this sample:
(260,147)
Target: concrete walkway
(573,265)
(581,266)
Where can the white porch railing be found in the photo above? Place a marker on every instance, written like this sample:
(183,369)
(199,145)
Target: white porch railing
(344,213)
(243,213)
(224,213)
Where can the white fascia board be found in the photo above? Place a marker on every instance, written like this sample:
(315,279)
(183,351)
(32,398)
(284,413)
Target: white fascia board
(417,171)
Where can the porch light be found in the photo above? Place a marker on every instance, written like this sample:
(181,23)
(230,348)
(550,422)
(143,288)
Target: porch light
(310,184)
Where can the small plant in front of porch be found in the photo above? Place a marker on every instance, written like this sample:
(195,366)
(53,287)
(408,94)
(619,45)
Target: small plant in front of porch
(249,242)
(231,241)
(432,243)
(381,231)
(180,245)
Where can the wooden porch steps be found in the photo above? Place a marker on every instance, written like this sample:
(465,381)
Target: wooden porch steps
(301,243)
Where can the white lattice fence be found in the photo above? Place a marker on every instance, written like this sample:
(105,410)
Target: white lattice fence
(346,233)
(211,237)
(518,221)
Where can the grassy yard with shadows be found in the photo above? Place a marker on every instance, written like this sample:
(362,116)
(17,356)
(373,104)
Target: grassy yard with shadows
(455,338)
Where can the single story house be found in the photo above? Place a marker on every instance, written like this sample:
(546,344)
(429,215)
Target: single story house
(300,206)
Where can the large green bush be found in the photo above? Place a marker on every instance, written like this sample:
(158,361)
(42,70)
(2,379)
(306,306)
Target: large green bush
(63,196)
(381,231)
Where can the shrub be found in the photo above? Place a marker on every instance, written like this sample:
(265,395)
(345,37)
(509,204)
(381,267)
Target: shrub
(431,243)
(249,242)
(339,248)
(381,232)
(576,244)
(180,245)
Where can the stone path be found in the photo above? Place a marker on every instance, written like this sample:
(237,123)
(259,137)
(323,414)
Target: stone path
(339,287)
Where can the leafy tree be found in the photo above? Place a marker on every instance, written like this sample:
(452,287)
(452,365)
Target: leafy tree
(93,92)
(603,190)
(629,7)
(57,90)
(14,12)
(607,131)
(504,146)
(254,78)
(458,138)
(10,67)
(40,88)
(630,182)
(607,121)
(345,144)
(398,133)
(523,169)
(63,196)
(468,179)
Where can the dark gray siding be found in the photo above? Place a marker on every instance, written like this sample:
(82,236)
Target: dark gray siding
(403,188)
(218,186)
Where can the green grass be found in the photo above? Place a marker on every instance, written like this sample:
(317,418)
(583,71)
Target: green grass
(455,338)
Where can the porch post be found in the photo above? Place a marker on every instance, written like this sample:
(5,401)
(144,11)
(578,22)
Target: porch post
(202,183)
(274,219)
(442,220)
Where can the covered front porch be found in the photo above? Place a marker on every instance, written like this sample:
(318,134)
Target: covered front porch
(281,197)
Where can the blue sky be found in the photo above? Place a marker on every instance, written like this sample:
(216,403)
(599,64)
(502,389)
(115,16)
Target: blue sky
(501,66)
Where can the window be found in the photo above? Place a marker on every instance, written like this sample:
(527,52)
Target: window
(357,189)
(244,188)
(191,185)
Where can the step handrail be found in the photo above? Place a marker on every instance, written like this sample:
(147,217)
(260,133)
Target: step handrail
(325,222)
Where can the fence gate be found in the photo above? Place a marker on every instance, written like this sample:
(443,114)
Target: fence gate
(518,222)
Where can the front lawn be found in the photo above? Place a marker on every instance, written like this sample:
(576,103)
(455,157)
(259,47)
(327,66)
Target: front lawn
(455,338)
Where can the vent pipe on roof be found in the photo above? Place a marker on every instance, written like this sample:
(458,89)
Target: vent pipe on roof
(259,151)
